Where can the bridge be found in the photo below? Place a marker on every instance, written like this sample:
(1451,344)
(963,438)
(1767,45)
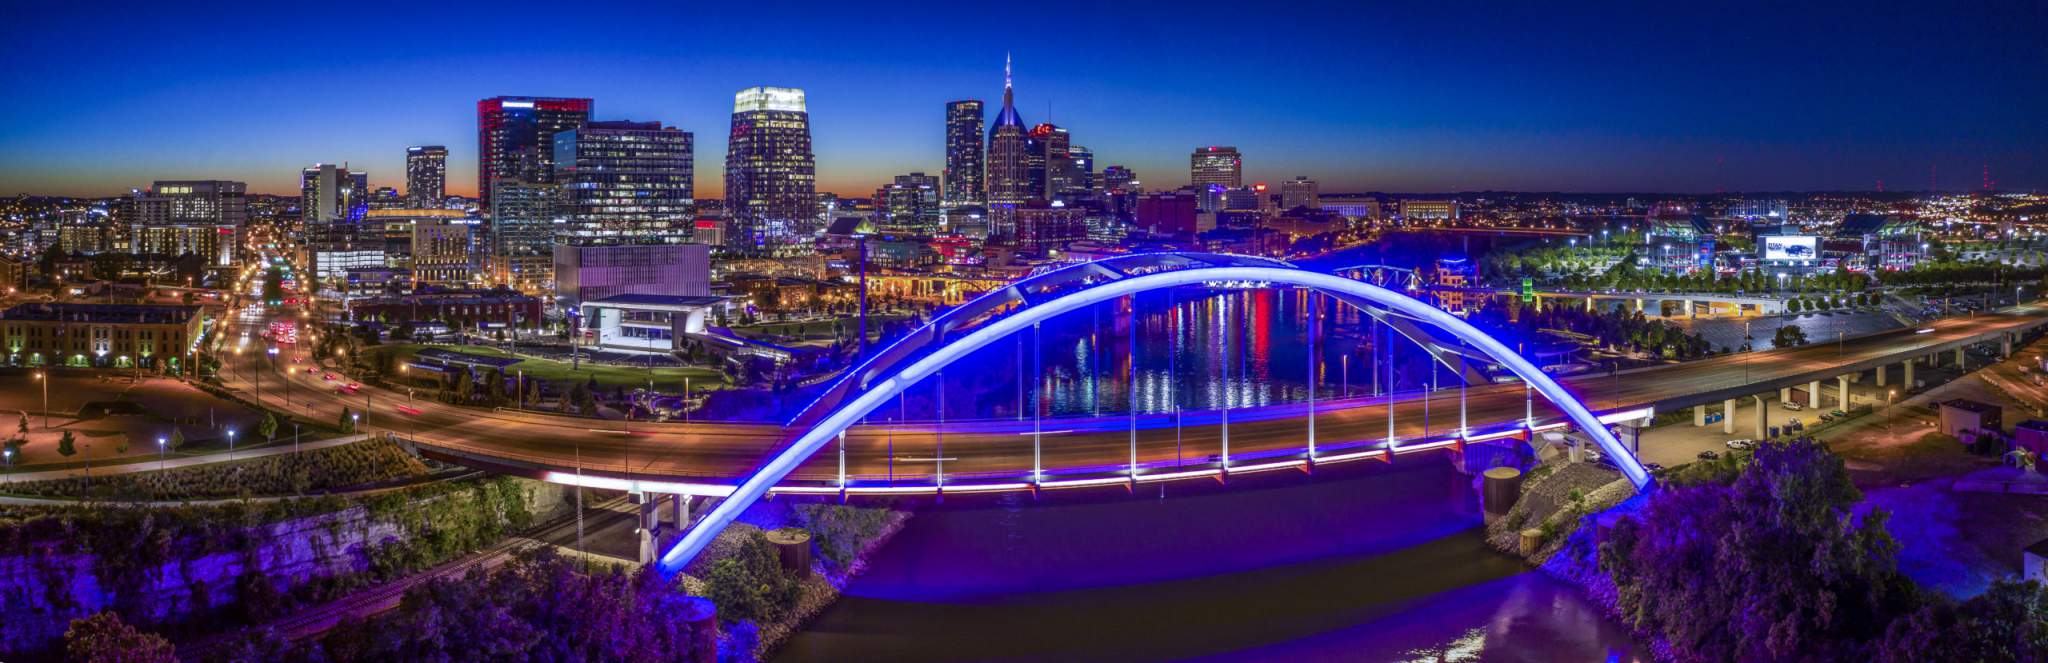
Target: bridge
(829,452)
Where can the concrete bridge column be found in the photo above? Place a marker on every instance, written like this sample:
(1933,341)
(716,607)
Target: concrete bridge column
(679,511)
(1639,305)
(1699,416)
(1880,375)
(1843,382)
(1909,374)
(1728,416)
(2005,346)
(1813,394)
(1962,361)
(650,521)
(1688,309)
(1763,416)
(1784,394)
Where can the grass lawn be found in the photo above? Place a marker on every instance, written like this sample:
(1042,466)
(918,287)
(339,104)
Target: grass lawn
(666,378)
(818,329)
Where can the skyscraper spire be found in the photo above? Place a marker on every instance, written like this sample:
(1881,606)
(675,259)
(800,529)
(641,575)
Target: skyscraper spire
(1006,81)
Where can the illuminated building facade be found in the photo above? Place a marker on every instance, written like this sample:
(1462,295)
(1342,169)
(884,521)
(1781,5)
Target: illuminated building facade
(910,204)
(1219,165)
(426,176)
(522,235)
(625,180)
(1300,192)
(1009,169)
(770,173)
(515,138)
(965,183)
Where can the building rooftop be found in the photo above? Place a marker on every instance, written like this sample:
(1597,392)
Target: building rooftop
(1968,405)
(693,301)
(155,314)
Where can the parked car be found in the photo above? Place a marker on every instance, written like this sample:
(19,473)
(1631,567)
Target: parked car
(1793,406)
(1708,455)
(1741,443)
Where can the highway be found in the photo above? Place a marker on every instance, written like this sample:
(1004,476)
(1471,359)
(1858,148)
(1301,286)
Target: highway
(1000,452)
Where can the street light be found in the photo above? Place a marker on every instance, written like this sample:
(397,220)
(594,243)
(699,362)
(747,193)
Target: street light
(161,446)
(46,398)
(231,444)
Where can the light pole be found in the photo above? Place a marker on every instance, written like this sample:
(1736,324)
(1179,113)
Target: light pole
(231,444)
(161,446)
(43,378)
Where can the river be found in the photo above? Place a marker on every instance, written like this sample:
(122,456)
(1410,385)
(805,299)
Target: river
(1370,563)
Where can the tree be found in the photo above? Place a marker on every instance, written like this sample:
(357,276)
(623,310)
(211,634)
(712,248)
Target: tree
(1776,566)
(104,638)
(177,438)
(347,421)
(1789,336)
(22,427)
(268,427)
(66,446)
(2007,622)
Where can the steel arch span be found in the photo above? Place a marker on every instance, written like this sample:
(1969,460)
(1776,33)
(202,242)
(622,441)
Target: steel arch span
(1101,287)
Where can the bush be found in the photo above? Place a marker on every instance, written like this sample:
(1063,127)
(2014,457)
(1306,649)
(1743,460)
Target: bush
(104,638)
(537,607)
(374,460)
(750,584)
(841,531)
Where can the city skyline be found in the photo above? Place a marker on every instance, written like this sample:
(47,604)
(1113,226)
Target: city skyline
(1511,99)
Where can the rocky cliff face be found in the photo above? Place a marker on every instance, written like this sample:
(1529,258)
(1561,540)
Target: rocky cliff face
(177,575)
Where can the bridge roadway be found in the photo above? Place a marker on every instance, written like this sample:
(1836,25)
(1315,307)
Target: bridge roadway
(902,457)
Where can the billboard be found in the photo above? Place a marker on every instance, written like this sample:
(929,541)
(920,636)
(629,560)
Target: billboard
(1791,247)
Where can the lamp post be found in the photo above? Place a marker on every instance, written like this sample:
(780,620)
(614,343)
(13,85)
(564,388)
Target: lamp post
(231,444)
(43,378)
(162,445)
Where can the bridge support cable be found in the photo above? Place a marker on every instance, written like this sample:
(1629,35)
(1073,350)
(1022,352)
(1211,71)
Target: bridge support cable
(899,377)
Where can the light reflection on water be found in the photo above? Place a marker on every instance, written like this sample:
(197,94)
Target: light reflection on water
(1372,564)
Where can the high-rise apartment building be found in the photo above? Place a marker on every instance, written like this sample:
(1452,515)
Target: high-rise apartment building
(625,179)
(1081,174)
(426,176)
(515,138)
(910,204)
(1216,165)
(443,252)
(1009,157)
(770,174)
(965,172)
(1300,192)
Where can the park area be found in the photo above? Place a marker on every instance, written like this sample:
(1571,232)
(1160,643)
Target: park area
(664,378)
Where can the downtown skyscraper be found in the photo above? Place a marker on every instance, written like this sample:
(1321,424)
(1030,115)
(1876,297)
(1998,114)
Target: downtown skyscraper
(1009,154)
(770,173)
(965,172)
(1216,165)
(515,138)
(426,176)
(625,181)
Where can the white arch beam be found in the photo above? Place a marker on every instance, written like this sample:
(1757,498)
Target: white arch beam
(881,391)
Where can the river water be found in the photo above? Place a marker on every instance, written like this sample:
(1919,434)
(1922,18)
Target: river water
(1368,563)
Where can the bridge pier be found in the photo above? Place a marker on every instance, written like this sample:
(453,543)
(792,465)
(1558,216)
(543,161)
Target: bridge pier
(1909,374)
(1785,394)
(1880,375)
(2004,346)
(650,522)
(1962,362)
(1699,416)
(1763,416)
(1843,396)
(1813,394)
(1728,416)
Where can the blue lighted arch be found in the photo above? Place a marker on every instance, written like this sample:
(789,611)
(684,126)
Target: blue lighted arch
(1095,287)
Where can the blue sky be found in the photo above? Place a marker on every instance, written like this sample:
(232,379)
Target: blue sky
(1398,97)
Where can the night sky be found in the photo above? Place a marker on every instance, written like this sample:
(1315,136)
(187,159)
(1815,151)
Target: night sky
(1412,97)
